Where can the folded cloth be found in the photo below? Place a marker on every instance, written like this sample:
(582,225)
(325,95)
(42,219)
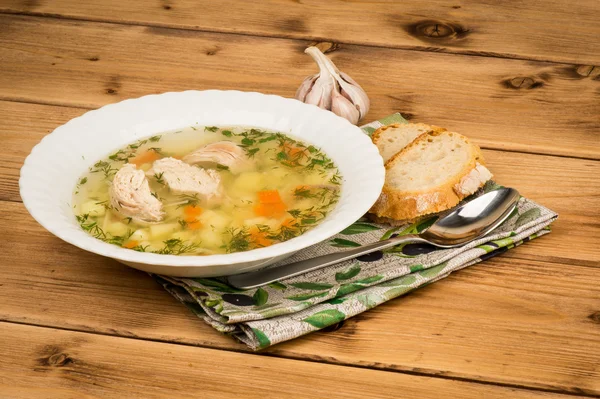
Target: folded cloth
(293,307)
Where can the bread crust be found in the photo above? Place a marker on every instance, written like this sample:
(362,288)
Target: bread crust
(403,206)
(376,136)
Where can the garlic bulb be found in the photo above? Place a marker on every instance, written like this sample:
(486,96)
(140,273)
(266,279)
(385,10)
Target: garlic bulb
(333,90)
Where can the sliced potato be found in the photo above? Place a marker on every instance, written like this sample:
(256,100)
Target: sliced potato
(93,208)
(249,181)
(117,228)
(217,219)
(211,239)
(183,235)
(140,235)
(163,230)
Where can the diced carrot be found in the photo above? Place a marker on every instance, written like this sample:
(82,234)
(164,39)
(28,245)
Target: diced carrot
(289,223)
(131,244)
(269,197)
(194,225)
(270,210)
(295,151)
(146,157)
(259,237)
(192,212)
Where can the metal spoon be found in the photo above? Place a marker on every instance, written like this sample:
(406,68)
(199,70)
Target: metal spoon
(455,228)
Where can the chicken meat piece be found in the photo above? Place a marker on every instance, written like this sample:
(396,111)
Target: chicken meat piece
(130,195)
(187,179)
(223,153)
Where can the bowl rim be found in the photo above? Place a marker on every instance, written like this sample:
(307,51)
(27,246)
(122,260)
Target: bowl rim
(310,238)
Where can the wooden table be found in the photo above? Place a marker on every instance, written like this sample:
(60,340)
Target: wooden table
(522,79)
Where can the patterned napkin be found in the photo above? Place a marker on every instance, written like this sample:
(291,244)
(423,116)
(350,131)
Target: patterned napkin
(296,306)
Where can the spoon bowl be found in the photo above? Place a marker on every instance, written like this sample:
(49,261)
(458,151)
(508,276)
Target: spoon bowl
(474,219)
(454,228)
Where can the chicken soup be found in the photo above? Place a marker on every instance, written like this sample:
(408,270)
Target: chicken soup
(207,190)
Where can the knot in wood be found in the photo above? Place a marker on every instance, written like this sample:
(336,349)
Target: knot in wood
(326,47)
(595,317)
(586,71)
(59,360)
(521,82)
(436,30)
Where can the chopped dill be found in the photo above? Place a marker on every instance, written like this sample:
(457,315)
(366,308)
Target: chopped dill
(128,220)
(104,167)
(336,178)
(175,246)
(189,200)
(140,248)
(159,178)
(227,133)
(137,144)
(105,204)
(82,181)
(251,151)
(211,128)
(240,240)
(183,223)
(270,137)
(156,138)
(222,167)
(119,240)
(303,192)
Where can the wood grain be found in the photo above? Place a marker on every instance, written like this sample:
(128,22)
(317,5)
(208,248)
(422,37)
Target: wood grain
(520,322)
(64,364)
(549,31)
(504,104)
(567,186)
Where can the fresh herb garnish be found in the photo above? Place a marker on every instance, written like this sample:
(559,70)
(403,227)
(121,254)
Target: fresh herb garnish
(251,151)
(240,240)
(156,138)
(159,178)
(175,246)
(227,133)
(105,204)
(222,167)
(211,128)
(104,167)
(82,181)
(189,200)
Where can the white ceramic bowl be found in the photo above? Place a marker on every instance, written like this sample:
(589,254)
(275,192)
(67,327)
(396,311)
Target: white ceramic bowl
(51,170)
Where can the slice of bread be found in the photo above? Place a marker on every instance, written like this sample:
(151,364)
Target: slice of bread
(430,175)
(393,138)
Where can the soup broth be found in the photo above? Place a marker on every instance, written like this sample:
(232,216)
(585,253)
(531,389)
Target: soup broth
(207,190)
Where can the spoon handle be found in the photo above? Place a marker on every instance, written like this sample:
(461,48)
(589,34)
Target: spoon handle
(266,276)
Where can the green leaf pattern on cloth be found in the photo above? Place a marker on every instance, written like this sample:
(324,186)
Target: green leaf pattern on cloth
(290,308)
(348,274)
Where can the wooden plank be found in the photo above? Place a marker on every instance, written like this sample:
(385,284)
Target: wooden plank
(567,186)
(63,364)
(504,104)
(510,321)
(549,31)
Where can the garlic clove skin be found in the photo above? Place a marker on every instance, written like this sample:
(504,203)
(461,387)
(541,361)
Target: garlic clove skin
(320,94)
(333,90)
(355,94)
(343,107)
(305,87)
